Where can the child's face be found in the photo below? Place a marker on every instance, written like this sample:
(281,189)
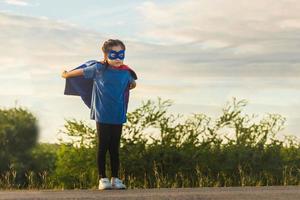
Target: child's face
(117,62)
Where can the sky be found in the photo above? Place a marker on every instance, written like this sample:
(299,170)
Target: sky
(198,53)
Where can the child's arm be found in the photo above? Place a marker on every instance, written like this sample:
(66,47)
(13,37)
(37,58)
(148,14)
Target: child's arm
(132,85)
(73,73)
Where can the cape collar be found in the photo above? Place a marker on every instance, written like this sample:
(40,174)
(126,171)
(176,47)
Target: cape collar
(121,67)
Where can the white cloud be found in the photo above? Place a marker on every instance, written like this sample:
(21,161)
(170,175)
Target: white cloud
(198,76)
(17,2)
(237,24)
(289,24)
(38,43)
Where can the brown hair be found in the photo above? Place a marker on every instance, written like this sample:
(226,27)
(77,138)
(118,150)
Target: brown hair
(107,46)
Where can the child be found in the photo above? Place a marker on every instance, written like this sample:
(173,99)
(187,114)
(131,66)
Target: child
(104,87)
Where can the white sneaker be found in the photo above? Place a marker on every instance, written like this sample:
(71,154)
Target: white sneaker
(117,184)
(104,184)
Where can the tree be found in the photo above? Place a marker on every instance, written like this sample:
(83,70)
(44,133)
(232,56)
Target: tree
(18,135)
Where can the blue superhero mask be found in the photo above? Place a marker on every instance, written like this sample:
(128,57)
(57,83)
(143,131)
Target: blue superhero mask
(116,54)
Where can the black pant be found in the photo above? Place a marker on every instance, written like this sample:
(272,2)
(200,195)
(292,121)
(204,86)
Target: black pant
(109,136)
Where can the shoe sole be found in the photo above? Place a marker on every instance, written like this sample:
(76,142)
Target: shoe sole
(114,188)
(105,188)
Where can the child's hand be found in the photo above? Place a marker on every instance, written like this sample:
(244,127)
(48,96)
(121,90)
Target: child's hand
(64,74)
(132,85)
(72,73)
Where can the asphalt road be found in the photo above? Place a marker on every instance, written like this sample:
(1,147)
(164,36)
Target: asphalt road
(205,193)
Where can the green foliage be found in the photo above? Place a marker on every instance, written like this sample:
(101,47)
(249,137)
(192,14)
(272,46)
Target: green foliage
(43,158)
(76,167)
(18,135)
(189,152)
(165,150)
(76,163)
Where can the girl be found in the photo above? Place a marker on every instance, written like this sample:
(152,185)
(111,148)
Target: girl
(108,102)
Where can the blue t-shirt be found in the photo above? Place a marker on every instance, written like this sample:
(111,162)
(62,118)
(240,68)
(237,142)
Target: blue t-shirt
(108,96)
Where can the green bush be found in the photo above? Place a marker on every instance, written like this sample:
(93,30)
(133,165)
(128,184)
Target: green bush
(187,152)
(18,136)
(163,150)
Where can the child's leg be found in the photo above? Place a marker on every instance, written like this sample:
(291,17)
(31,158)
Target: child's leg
(114,148)
(103,131)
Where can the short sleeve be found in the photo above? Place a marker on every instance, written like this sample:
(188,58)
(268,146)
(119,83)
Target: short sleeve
(90,70)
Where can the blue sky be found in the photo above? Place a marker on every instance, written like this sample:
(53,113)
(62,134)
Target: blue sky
(102,16)
(199,53)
